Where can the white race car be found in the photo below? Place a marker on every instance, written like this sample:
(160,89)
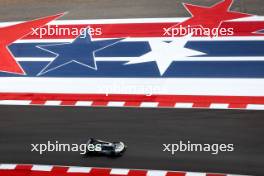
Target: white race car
(105,148)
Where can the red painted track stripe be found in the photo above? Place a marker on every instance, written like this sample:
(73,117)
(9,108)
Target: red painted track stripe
(137,173)
(237,106)
(59,171)
(78,174)
(132,104)
(37,102)
(41,173)
(100,172)
(68,103)
(16,173)
(166,104)
(148,29)
(175,174)
(23,167)
(99,103)
(201,105)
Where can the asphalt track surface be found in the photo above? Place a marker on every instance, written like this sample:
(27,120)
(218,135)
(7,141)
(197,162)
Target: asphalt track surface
(143,130)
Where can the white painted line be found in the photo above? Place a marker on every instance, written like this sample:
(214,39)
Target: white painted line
(15,102)
(192,59)
(52,103)
(119,171)
(116,103)
(183,105)
(160,86)
(219,106)
(8,166)
(118,21)
(156,173)
(195,174)
(83,103)
(79,169)
(255,106)
(126,59)
(105,21)
(250,18)
(149,104)
(41,168)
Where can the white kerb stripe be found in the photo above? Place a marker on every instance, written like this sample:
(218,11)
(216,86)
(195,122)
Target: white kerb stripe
(116,103)
(41,168)
(149,104)
(52,103)
(255,106)
(15,102)
(219,106)
(119,171)
(156,173)
(8,166)
(79,169)
(83,103)
(195,174)
(183,105)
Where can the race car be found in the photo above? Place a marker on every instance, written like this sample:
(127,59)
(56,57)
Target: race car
(99,147)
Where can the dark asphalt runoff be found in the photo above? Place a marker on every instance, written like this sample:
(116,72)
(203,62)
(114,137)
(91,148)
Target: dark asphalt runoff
(143,130)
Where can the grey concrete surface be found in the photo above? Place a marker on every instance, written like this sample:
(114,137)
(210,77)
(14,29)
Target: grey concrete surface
(143,130)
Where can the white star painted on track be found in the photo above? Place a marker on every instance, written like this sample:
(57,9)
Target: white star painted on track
(164,53)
